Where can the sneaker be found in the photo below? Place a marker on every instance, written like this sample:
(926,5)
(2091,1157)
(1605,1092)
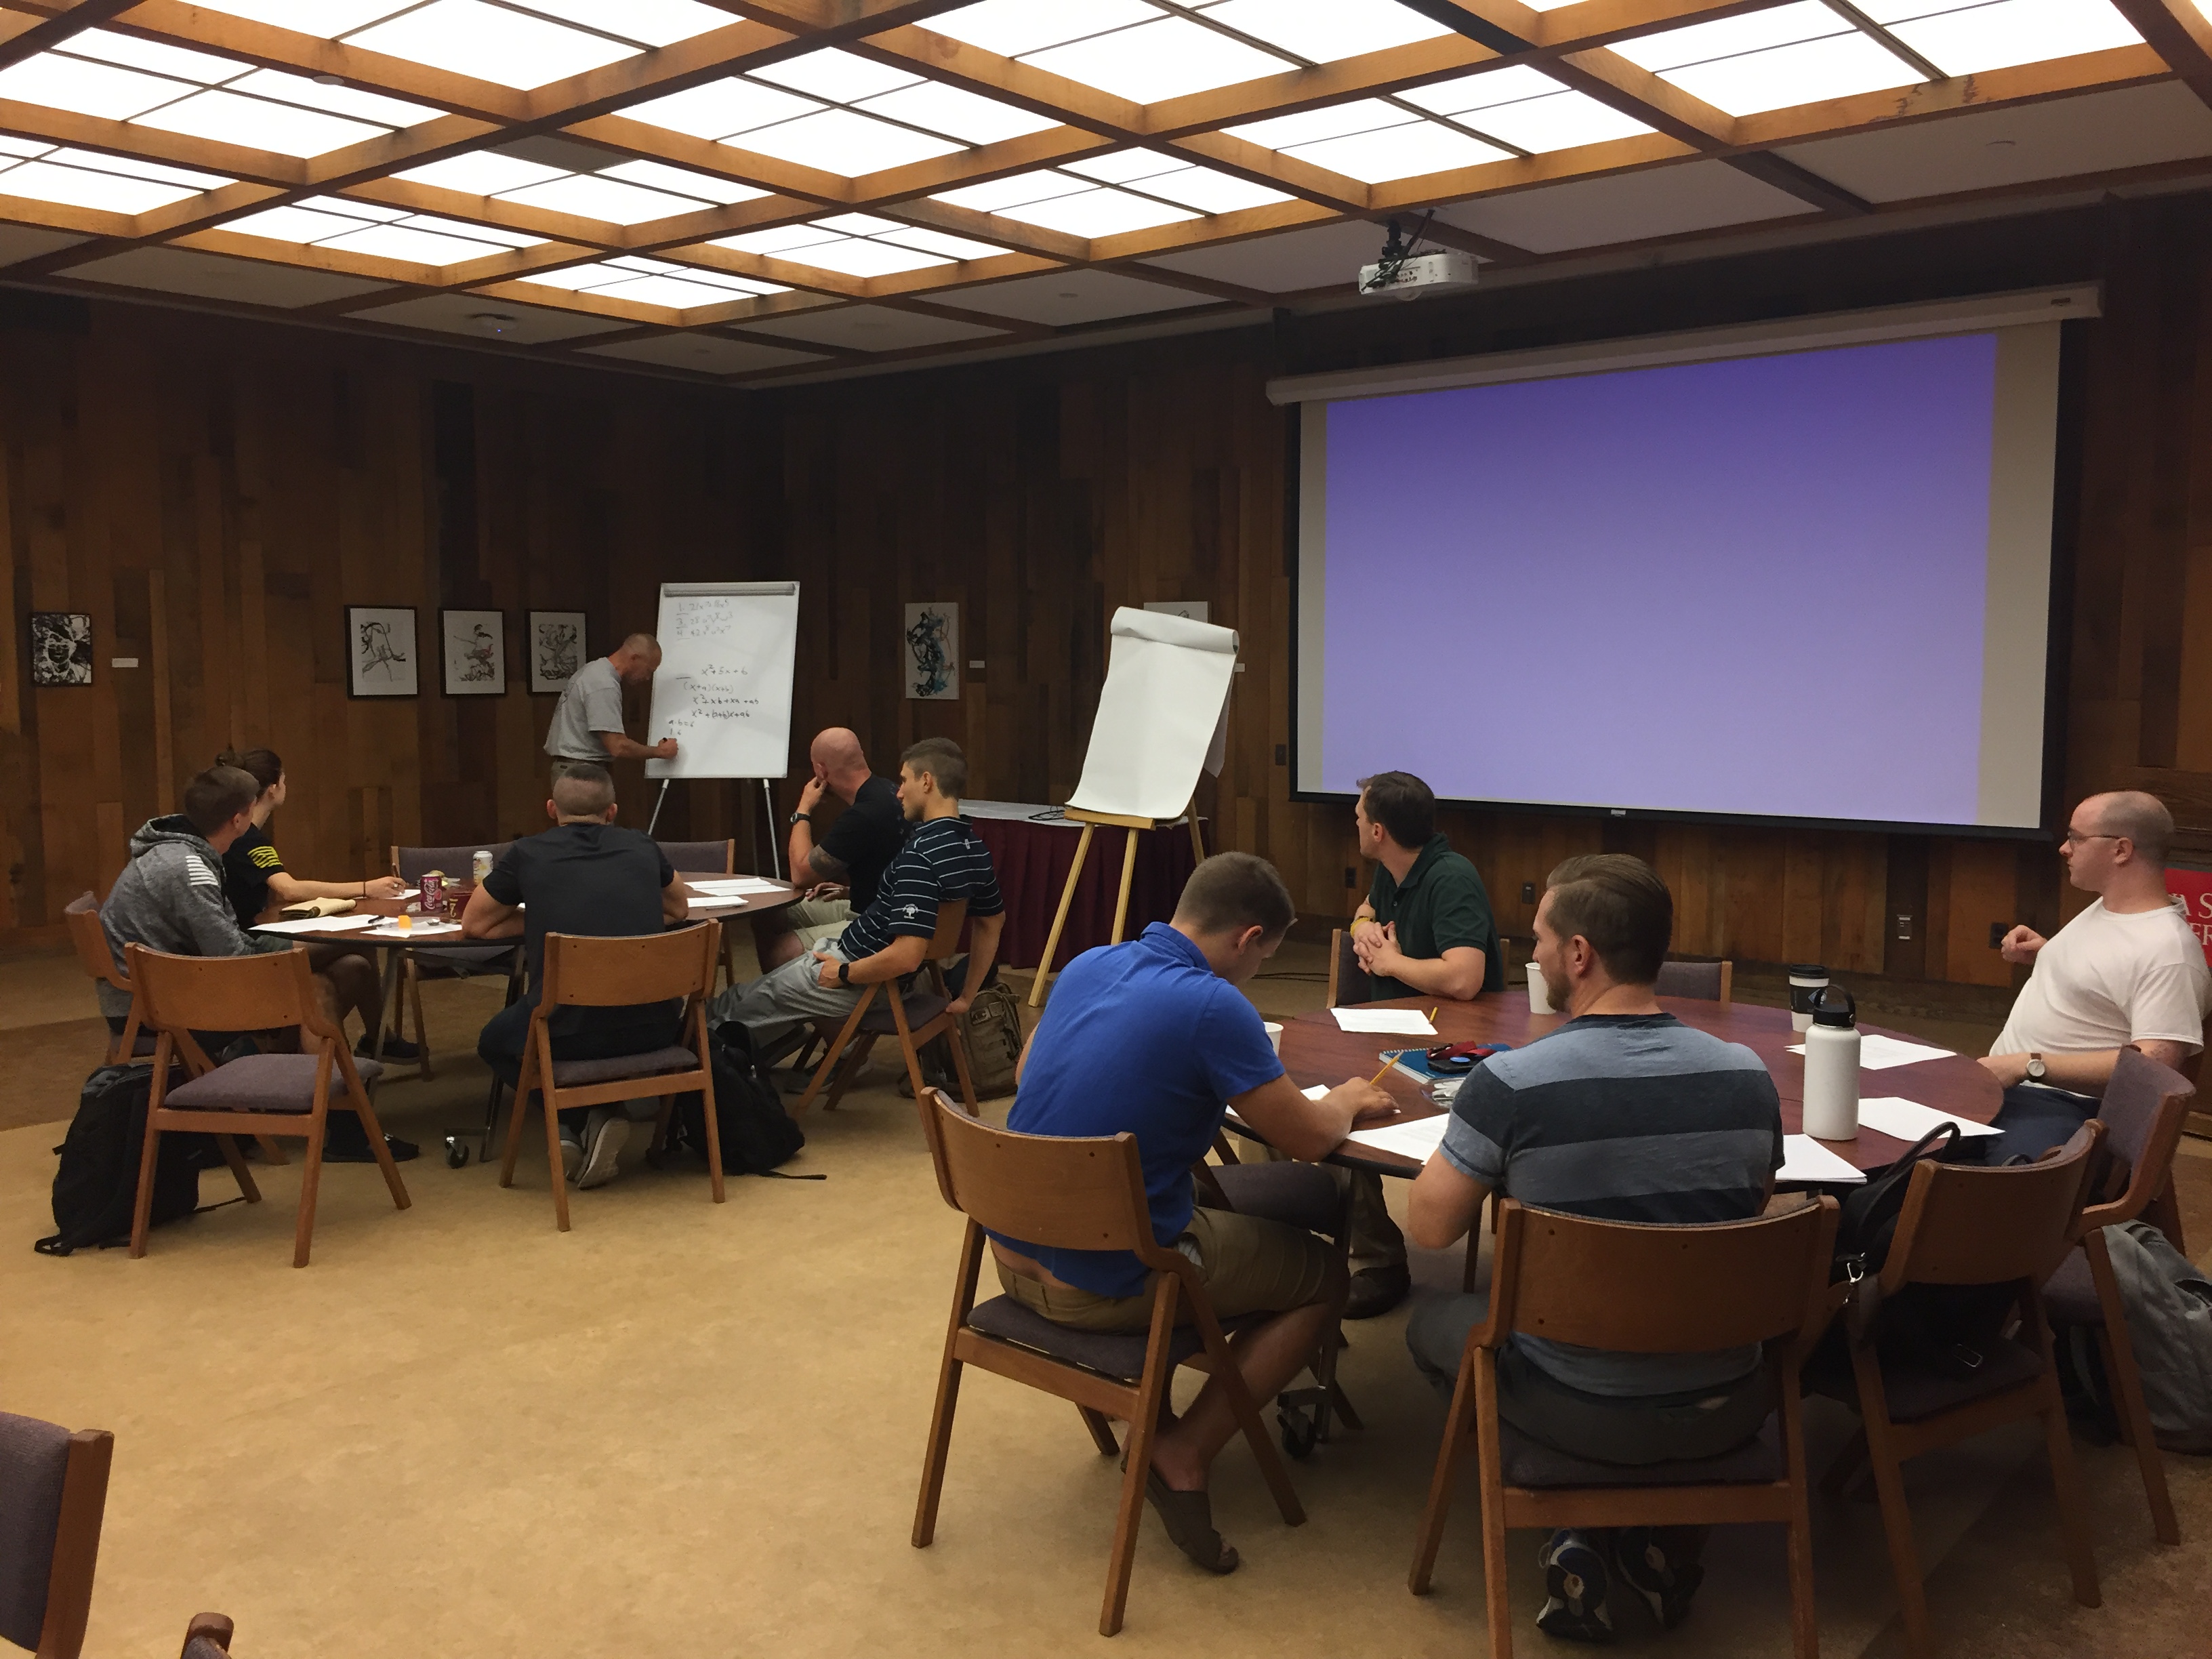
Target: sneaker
(395,1048)
(1665,1587)
(1376,1291)
(571,1156)
(604,1132)
(1574,1590)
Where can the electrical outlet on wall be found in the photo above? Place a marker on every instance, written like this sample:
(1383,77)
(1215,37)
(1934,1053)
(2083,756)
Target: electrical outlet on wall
(1527,892)
(1903,924)
(1351,876)
(1997,931)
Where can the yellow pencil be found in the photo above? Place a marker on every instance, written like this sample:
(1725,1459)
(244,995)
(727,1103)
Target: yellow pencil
(1388,1061)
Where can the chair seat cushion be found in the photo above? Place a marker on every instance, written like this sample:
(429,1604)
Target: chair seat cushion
(1117,1354)
(921,1007)
(2070,1296)
(434,960)
(1526,1463)
(1297,1194)
(1915,1391)
(579,1073)
(264,1083)
(34,1464)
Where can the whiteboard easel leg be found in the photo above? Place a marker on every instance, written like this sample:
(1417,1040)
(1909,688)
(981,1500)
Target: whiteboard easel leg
(1128,871)
(660,801)
(774,849)
(1060,919)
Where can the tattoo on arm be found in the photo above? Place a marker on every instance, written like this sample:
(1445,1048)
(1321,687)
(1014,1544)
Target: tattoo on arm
(828,868)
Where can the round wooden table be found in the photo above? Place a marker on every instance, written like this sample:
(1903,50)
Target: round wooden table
(1316,1051)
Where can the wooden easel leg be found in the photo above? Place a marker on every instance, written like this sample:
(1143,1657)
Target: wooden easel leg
(1129,874)
(1197,841)
(1060,921)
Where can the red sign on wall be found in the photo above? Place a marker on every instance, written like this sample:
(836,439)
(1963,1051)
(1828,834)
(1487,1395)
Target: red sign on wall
(2193,890)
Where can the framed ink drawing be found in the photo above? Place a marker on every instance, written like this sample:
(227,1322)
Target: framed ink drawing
(381,659)
(475,649)
(556,645)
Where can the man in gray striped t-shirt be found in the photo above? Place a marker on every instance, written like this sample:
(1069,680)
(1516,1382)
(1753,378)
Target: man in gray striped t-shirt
(1624,1114)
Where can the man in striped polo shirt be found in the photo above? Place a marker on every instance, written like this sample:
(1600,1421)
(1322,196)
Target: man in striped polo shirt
(943,859)
(1624,1114)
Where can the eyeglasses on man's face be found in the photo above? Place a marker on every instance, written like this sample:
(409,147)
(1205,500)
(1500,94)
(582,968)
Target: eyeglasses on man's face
(2076,837)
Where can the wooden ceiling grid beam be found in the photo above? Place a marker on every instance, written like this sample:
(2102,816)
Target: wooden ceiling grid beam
(57,25)
(2178,33)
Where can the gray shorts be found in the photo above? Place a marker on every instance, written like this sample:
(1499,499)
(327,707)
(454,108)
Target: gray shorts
(781,1002)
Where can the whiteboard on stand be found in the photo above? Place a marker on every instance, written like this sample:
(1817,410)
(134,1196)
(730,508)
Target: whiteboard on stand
(728,651)
(1162,716)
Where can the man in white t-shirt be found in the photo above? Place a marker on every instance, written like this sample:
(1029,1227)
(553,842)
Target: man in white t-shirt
(2126,970)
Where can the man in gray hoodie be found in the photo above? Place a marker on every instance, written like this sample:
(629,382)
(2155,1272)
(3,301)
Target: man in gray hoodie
(171,897)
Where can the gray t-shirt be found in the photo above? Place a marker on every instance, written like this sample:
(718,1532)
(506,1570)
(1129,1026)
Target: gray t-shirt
(590,703)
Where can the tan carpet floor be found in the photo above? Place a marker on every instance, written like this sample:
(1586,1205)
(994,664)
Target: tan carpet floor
(690,1430)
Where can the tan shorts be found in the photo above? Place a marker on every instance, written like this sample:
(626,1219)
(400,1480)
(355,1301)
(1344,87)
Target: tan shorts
(1248,1265)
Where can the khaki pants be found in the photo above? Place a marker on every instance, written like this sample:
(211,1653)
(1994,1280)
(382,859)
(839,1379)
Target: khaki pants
(1248,1265)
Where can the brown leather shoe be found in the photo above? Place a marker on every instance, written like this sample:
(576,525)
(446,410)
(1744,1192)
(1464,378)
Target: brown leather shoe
(1376,1291)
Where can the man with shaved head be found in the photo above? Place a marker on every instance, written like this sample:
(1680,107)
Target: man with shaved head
(588,876)
(2127,969)
(841,870)
(587,722)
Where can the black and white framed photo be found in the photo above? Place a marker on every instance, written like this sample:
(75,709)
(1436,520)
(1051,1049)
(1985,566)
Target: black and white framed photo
(381,657)
(476,652)
(557,649)
(61,648)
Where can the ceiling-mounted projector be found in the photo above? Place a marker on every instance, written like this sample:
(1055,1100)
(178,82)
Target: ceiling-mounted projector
(1400,272)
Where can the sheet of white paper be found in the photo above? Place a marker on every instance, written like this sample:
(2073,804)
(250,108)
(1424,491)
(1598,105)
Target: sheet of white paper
(1805,1160)
(418,927)
(1416,1138)
(1385,1021)
(1316,1091)
(1167,683)
(1908,1120)
(1878,1053)
(723,689)
(736,886)
(309,925)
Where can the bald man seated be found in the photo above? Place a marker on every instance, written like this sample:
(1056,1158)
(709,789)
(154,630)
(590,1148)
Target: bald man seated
(587,729)
(2127,969)
(841,871)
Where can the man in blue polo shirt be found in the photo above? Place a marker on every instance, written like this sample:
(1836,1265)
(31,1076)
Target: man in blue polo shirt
(1154,1038)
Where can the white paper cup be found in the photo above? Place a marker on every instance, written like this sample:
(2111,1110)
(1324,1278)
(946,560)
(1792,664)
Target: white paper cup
(1274,1034)
(1539,1000)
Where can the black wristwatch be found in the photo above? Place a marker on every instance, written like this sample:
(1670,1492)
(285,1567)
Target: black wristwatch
(797,819)
(844,973)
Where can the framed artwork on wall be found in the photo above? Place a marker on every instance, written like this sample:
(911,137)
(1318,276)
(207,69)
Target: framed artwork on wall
(381,659)
(556,645)
(933,651)
(475,652)
(61,648)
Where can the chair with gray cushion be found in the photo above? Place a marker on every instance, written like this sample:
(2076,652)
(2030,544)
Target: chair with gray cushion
(1704,981)
(287,1094)
(913,1017)
(1631,1288)
(208,1637)
(1075,1194)
(53,1493)
(2142,1110)
(1347,982)
(425,962)
(2005,1229)
(707,858)
(583,972)
(90,939)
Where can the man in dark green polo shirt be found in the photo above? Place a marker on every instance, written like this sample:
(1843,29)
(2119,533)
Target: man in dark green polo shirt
(1426,931)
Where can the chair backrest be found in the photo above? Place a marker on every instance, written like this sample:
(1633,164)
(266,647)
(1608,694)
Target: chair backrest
(702,857)
(951,916)
(1707,981)
(585,972)
(208,1637)
(1062,1192)
(90,939)
(1636,1288)
(2144,1107)
(53,1491)
(407,863)
(1347,983)
(183,994)
(1966,1226)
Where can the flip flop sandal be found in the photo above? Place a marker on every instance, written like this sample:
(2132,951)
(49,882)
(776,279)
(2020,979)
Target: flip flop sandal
(1188,1517)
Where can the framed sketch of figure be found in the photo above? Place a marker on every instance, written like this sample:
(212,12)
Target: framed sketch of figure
(556,645)
(475,647)
(933,651)
(381,659)
(61,648)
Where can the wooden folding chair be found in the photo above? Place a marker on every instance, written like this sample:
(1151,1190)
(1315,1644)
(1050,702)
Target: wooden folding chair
(706,858)
(1706,981)
(1632,1288)
(446,961)
(584,972)
(1079,1193)
(1965,1225)
(912,1017)
(2142,1110)
(1347,982)
(53,1493)
(90,939)
(258,1095)
(208,1637)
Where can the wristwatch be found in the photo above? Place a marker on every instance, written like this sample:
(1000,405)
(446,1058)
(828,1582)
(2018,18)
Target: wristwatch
(844,973)
(798,818)
(2037,1071)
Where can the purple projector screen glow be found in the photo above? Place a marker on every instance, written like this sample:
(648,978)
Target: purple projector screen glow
(1761,585)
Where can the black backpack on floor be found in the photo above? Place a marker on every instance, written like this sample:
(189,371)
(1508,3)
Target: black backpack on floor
(97,1182)
(757,1135)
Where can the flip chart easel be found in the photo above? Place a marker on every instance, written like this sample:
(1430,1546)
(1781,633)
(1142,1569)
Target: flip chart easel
(1129,826)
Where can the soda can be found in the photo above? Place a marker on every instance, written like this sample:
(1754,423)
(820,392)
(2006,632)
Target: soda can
(434,891)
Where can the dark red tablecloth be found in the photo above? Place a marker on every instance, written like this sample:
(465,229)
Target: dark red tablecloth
(1032,860)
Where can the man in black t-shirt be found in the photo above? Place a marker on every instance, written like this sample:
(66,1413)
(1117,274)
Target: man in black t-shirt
(840,871)
(585,875)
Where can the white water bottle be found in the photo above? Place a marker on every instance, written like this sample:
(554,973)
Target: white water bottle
(1831,1067)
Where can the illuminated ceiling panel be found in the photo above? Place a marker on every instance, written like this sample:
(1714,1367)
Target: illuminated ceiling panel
(1322,31)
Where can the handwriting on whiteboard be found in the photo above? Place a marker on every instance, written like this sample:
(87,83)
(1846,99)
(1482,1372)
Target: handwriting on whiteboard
(709,696)
(701,618)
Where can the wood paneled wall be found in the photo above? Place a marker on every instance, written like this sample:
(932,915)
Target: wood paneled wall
(215,492)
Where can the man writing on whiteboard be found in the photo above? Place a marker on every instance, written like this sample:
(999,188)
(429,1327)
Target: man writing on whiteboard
(587,721)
